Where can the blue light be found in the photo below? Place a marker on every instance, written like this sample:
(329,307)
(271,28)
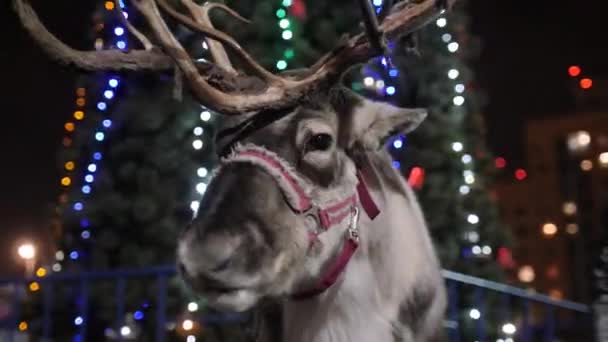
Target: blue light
(89,178)
(78,206)
(393,73)
(78,320)
(86,189)
(113,83)
(74,255)
(121,44)
(85,234)
(77,337)
(119,31)
(138,315)
(396,164)
(384,62)
(145,305)
(92,168)
(107,123)
(97,156)
(390,90)
(99,136)
(377,2)
(398,143)
(84,223)
(121,3)
(108,94)
(102,106)
(378,10)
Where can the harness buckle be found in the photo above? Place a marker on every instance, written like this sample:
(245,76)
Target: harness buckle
(353,227)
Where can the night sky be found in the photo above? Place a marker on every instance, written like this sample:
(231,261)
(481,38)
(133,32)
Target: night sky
(527,47)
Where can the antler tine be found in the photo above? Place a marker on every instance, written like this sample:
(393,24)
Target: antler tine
(134,31)
(201,15)
(224,39)
(114,60)
(216,88)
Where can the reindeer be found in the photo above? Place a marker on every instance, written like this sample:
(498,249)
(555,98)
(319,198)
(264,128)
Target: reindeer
(305,221)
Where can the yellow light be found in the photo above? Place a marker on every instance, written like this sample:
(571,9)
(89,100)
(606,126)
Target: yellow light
(69,126)
(572,228)
(526,274)
(586,165)
(34,287)
(81,92)
(569,208)
(78,115)
(549,229)
(603,159)
(188,325)
(41,272)
(23,326)
(109,5)
(66,181)
(556,294)
(67,141)
(70,166)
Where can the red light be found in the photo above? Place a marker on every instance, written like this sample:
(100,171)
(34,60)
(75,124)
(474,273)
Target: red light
(416,178)
(586,83)
(574,71)
(521,174)
(500,162)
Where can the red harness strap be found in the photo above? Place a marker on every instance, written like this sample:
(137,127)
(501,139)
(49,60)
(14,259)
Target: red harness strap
(332,274)
(348,249)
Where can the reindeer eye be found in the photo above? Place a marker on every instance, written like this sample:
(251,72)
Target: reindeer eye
(319,142)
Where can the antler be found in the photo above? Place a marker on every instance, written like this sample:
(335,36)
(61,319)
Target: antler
(219,86)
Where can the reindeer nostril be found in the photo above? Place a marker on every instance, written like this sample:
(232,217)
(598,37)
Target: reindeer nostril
(222,265)
(182,269)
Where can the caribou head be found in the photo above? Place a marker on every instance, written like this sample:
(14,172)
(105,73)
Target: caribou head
(280,209)
(280,217)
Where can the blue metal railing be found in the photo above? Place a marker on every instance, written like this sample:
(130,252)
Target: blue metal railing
(579,321)
(487,302)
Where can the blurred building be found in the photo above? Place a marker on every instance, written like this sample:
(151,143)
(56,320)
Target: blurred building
(558,205)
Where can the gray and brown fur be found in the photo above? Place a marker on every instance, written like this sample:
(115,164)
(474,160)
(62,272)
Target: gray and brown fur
(247,247)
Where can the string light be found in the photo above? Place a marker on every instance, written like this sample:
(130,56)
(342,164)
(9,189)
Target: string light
(473,219)
(202,172)
(574,70)
(41,272)
(464,189)
(205,115)
(453,47)
(192,307)
(549,229)
(197,144)
(453,74)
(201,188)
(458,100)
(474,314)
(187,325)
(603,159)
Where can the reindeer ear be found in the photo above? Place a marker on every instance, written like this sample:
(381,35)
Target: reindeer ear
(369,123)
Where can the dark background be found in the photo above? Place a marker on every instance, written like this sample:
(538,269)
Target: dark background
(527,47)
